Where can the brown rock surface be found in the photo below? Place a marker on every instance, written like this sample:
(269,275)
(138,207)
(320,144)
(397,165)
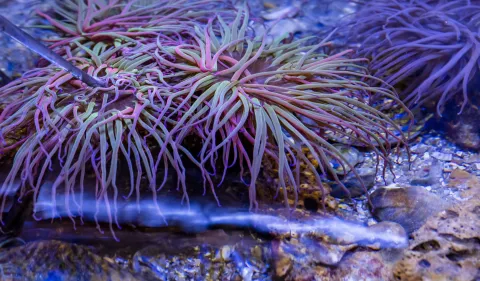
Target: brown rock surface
(447,247)
(55,260)
(408,206)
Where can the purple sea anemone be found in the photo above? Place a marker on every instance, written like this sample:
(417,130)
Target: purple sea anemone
(48,119)
(429,49)
(244,97)
(235,90)
(127,20)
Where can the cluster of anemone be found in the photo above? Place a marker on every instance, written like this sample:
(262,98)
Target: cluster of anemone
(428,49)
(127,20)
(243,96)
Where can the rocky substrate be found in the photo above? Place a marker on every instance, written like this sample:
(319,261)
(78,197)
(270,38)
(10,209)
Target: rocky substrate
(435,202)
(432,197)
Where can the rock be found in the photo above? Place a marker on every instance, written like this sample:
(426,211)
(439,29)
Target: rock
(351,154)
(388,228)
(282,262)
(59,261)
(353,184)
(281,12)
(442,156)
(308,250)
(323,257)
(408,206)
(463,129)
(458,177)
(477,166)
(447,247)
(360,266)
(429,176)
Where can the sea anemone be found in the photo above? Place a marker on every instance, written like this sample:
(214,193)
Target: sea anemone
(236,91)
(245,98)
(49,119)
(429,49)
(126,20)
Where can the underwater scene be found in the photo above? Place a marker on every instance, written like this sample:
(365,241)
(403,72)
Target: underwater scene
(295,140)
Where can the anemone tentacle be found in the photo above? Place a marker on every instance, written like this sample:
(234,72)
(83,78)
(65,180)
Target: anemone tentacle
(73,126)
(94,20)
(242,87)
(428,49)
(244,97)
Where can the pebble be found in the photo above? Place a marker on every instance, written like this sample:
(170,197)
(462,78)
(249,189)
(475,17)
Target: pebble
(449,167)
(351,154)
(281,12)
(353,184)
(419,148)
(442,156)
(426,156)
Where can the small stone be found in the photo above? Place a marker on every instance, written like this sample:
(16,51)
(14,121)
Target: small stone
(459,177)
(473,158)
(395,234)
(354,184)
(449,167)
(331,203)
(351,154)
(442,156)
(429,175)
(282,262)
(398,160)
(226,252)
(477,166)
(281,13)
(419,148)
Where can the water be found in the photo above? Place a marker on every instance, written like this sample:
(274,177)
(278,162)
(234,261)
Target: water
(233,146)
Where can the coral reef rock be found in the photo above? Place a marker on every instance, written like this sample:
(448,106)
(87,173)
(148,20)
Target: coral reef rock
(408,206)
(59,261)
(319,257)
(353,184)
(447,247)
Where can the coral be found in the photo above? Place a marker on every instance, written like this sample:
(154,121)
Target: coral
(429,49)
